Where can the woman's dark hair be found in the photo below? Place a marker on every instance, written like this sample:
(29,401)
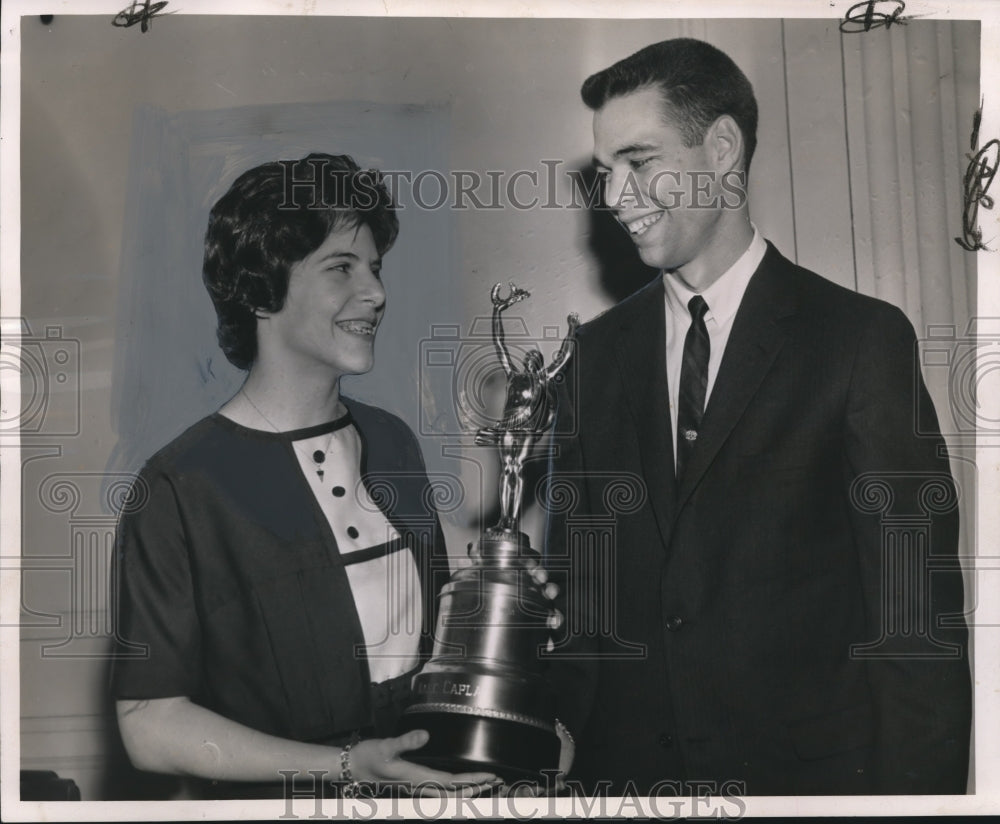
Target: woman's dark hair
(698,83)
(272,217)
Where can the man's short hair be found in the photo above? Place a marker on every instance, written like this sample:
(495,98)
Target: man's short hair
(272,217)
(698,82)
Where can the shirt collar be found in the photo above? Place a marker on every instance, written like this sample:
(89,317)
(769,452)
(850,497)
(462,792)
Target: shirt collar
(726,293)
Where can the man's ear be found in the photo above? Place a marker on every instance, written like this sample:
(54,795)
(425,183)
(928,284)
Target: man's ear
(724,141)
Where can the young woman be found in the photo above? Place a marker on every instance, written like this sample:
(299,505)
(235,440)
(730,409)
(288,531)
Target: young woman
(279,571)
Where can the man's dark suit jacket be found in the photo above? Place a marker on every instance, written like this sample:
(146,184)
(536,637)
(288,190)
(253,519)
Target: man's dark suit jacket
(746,587)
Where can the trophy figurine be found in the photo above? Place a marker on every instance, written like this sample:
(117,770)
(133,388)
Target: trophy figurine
(482,696)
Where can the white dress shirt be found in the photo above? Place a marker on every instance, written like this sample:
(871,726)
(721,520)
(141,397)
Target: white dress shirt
(723,298)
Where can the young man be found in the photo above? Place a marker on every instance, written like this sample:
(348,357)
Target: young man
(768,414)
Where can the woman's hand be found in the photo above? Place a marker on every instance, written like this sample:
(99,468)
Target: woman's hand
(178,737)
(380,760)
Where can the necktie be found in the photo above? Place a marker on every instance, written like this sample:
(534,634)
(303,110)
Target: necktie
(694,383)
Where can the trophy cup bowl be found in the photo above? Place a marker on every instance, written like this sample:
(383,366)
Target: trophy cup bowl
(482,695)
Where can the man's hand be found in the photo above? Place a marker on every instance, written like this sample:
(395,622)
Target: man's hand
(551,591)
(540,576)
(527,789)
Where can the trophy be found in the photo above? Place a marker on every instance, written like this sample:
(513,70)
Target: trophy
(482,695)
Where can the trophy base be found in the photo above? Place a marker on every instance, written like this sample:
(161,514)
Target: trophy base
(474,743)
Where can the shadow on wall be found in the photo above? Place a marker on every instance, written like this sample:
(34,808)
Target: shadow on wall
(621,272)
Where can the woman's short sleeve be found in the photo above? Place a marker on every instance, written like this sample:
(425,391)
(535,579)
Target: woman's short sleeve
(158,654)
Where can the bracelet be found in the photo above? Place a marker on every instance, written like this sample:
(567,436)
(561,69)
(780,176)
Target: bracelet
(561,727)
(351,786)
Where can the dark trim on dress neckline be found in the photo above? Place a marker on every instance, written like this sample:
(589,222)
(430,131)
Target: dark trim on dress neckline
(288,435)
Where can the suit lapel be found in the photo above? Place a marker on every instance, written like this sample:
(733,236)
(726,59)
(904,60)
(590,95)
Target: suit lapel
(642,360)
(753,344)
